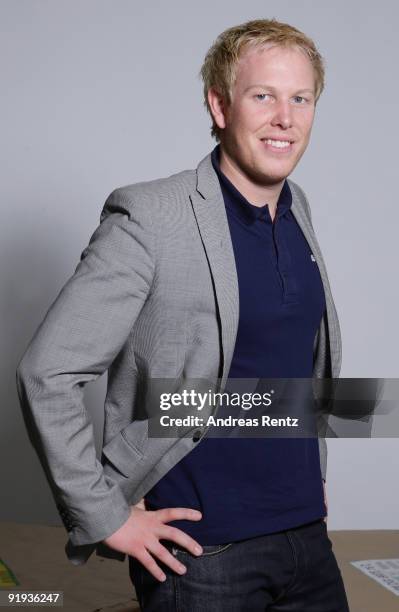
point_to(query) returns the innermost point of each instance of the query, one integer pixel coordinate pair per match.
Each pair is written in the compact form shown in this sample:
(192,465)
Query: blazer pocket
(128,447)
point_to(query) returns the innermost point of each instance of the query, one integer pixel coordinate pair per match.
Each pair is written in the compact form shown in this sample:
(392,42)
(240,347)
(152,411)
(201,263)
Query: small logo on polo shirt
(312,257)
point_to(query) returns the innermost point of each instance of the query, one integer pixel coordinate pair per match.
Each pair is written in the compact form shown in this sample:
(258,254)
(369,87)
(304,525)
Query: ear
(218,107)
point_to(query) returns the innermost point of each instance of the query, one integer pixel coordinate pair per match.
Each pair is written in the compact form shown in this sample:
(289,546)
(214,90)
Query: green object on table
(7,578)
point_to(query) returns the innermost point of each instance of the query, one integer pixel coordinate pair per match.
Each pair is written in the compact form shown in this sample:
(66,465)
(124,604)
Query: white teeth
(278,143)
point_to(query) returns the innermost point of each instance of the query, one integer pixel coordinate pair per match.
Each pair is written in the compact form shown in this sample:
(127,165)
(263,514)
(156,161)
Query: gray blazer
(154,294)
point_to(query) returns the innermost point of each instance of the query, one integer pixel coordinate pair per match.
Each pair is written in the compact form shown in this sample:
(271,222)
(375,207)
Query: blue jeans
(290,571)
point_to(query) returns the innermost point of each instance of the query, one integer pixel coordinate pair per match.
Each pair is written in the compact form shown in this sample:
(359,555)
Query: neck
(256,194)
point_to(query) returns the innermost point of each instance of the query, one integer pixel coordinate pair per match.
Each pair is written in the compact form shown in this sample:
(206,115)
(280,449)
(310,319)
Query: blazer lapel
(210,213)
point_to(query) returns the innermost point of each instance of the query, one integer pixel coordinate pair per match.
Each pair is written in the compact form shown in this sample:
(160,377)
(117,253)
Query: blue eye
(258,95)
(261,98)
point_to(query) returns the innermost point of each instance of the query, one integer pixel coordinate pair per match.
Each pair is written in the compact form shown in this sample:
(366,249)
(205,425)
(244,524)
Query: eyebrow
(274,89)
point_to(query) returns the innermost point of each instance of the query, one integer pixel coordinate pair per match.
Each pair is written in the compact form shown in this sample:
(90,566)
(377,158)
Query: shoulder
(151,194)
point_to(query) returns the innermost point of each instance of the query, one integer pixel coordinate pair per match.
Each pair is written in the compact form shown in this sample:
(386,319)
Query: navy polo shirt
(247,487)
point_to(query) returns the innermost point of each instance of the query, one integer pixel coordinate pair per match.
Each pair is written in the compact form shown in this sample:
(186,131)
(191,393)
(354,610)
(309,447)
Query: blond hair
(220,64)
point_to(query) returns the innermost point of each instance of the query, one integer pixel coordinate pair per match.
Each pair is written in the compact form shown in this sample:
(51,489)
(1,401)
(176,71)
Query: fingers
(166,557)
(174,534)
(175,514)
(151,527)
(163,555)
(150,564)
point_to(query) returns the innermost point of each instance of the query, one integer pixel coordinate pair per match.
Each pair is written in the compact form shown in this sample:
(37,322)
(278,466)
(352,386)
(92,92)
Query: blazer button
(197,435)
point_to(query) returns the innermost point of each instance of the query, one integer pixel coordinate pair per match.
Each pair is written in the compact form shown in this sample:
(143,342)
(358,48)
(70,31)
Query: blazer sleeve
(80,336)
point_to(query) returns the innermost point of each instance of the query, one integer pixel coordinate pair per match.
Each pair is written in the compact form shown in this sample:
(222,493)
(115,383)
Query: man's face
(273,98)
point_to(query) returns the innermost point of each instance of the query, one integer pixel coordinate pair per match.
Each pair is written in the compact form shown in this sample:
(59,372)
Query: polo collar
(239,205)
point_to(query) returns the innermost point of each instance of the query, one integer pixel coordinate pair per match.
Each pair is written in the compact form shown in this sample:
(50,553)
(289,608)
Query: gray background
(98,94)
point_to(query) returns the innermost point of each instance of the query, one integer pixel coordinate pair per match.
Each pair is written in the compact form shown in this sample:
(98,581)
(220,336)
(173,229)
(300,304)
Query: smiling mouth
(281,146)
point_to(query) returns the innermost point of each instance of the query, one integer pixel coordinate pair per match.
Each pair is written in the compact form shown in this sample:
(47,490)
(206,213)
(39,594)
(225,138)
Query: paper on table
(384,571)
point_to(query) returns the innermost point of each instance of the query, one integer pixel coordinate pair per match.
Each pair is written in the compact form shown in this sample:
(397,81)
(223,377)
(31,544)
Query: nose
(282,114)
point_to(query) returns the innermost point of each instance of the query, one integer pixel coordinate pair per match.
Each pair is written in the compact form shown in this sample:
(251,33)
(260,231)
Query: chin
(273,175)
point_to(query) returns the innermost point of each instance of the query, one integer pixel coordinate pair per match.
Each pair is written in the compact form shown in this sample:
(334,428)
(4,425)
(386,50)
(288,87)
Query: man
(212,273)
